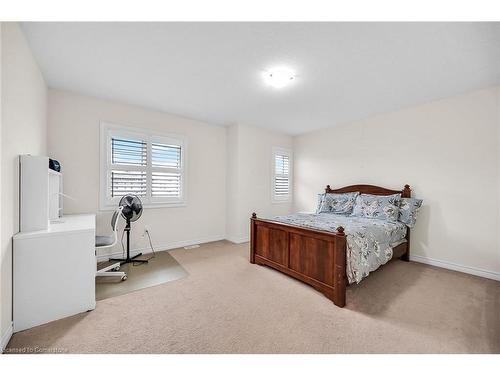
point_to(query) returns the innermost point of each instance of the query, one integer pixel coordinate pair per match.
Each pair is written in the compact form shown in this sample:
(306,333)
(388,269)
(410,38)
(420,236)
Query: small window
(282,181)
(138,162)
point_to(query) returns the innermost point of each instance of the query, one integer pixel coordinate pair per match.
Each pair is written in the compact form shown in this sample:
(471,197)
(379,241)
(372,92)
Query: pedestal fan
(132,211)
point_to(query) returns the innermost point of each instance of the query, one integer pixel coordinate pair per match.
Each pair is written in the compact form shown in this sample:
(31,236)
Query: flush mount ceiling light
(279,77)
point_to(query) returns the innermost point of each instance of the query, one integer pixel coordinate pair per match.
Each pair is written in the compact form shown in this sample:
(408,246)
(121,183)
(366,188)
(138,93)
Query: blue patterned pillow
(408,210)
(336,203)
(384,207)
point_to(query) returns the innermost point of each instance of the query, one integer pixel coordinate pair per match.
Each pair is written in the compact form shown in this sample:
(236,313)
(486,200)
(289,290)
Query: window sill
(147,205)
(280,201)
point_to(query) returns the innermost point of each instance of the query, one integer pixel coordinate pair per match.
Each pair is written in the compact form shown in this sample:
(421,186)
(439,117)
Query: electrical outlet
(146,230)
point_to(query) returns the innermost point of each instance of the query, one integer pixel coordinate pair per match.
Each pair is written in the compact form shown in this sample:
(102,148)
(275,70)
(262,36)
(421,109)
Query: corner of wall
(1,116)
(6,336)
(249,177)
(232,180)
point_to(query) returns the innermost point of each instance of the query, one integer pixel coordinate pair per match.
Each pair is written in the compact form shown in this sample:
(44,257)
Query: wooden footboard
(315,257)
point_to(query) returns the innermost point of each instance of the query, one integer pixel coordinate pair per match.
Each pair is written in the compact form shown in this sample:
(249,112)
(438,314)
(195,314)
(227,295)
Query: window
(135,161)
(282,179)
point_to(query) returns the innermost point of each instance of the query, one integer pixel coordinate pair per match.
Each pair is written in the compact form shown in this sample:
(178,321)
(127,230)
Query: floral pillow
(408,210)
(384,207)
(336,203)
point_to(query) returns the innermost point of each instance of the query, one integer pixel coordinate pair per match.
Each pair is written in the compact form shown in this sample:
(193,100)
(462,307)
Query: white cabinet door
(54,276)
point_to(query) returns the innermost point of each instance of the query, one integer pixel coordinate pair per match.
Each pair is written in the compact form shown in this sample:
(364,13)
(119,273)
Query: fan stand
(129,259)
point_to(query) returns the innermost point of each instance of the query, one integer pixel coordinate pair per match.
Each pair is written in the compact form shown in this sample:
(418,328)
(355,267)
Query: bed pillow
(336,203)
(384,207)
(408,210)
(320,202)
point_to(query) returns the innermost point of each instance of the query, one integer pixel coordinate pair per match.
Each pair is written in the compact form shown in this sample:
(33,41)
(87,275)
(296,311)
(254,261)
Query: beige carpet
(227,305)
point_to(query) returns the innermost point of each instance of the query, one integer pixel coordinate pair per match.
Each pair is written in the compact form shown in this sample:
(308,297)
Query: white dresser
(54,271)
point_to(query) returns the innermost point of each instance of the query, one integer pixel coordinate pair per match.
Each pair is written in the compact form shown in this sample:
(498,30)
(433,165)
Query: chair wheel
(117,268)
(124,277)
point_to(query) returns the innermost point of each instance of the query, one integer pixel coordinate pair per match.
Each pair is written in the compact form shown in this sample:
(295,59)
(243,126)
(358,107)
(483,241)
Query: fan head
(132,207)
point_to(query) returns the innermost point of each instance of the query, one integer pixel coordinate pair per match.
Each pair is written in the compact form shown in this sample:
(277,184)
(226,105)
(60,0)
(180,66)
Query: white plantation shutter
(167,173)
(128,182)
(281,179)
(148,166)
(128,174)
(281,175)
(166,184)
(168,156)
(128,151)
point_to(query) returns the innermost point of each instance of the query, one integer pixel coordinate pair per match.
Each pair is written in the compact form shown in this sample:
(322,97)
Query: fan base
(129,259)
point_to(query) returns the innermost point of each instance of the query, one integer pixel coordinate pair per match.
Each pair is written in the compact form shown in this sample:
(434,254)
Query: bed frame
(315,257)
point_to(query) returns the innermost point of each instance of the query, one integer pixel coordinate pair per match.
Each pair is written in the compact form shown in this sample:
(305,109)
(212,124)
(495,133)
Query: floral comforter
(369,241)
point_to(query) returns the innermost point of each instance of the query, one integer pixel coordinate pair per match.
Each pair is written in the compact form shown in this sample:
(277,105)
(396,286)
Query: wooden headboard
(370,189)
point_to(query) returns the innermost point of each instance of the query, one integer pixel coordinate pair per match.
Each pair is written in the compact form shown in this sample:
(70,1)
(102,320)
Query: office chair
(102,242)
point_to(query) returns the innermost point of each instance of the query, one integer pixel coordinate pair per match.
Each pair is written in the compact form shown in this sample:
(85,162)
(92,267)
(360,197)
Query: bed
(314,248)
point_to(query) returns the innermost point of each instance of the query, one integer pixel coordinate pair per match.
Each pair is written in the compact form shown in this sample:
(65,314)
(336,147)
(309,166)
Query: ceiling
(212,71)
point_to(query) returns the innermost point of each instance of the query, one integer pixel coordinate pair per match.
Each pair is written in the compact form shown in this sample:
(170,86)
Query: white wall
(498,167)
(249,176)
(447,150)
(24,130)
(2,329)
(74,140)
(211,214)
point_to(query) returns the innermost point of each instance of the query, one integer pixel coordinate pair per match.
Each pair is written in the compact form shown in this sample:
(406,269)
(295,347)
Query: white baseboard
(237,240)
(457,267)
(162,247)
(6,337)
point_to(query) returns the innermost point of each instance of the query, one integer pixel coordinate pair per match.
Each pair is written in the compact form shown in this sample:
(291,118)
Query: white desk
(54,271)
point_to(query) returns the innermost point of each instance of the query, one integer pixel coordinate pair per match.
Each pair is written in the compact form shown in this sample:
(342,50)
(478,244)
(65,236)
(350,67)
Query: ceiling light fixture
(279,77)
